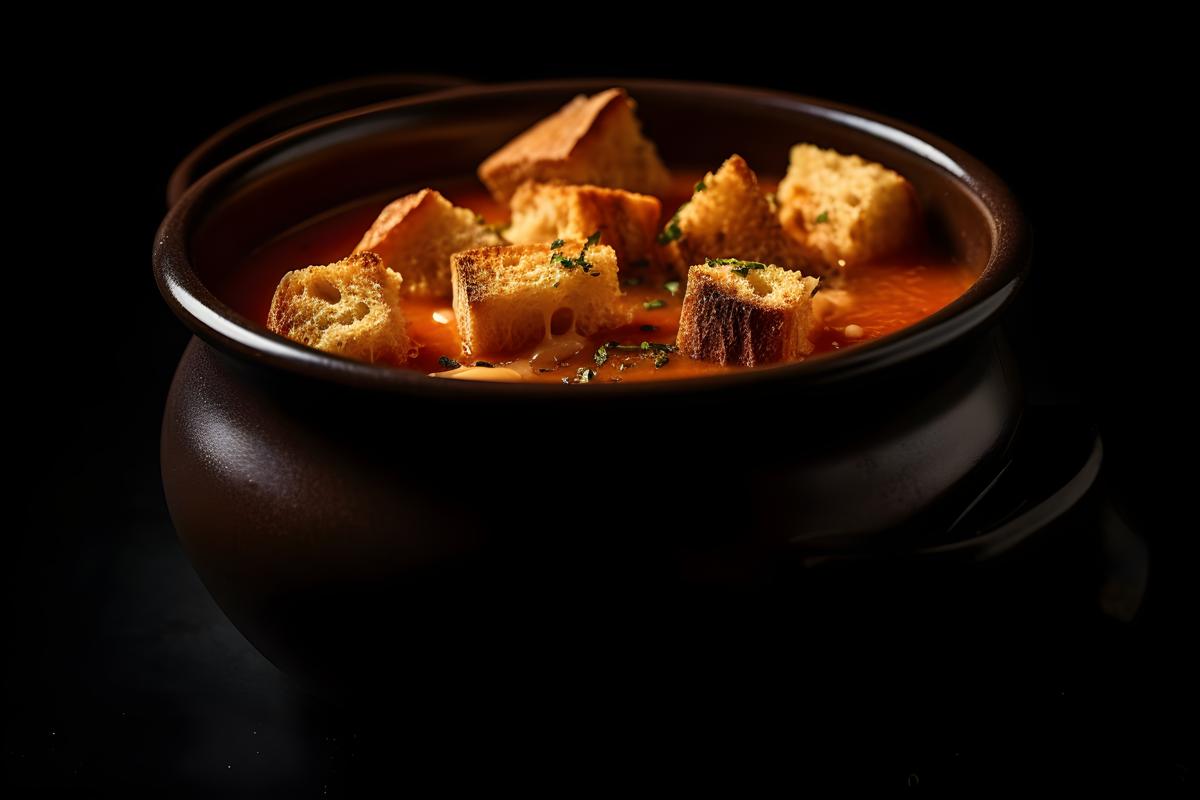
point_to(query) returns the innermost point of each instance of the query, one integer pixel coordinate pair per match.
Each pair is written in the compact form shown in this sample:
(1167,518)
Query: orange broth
(883,297)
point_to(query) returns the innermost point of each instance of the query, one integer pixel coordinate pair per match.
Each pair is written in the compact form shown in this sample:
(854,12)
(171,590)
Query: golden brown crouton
(351,308)
(591,140)
(628,222)
(417,234)
(740,312)
(844,209)
(728,217)
(509,298)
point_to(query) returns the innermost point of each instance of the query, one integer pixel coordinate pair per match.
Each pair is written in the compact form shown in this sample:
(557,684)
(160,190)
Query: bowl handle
(296,110)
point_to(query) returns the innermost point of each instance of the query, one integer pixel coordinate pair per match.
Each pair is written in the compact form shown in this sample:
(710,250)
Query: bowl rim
(189,170)
(228,330)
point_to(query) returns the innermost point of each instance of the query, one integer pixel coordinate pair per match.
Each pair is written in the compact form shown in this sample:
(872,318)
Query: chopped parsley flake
(650,305)
(580,260)
(672,231)
(822,217)
(700,187)
(661,360)
(672,287)
(735,265)
(447,362)
(601,355)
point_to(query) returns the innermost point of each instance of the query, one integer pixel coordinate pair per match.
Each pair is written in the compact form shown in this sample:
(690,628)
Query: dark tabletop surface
(122,672)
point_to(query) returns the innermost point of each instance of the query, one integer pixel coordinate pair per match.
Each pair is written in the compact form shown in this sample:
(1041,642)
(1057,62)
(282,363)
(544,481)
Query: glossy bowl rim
(223,327)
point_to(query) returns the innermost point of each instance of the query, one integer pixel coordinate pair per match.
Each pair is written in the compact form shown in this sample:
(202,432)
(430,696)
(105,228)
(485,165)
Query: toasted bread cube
(417,234)
(628,222)
(510,298)
(844,210)
(740,312)
(591,140)
(351,308)
(728,217)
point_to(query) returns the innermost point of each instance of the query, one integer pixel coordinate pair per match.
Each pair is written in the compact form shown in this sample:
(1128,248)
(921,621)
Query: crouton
(741,312)
(351,308)
(591,140)
(728,217)
(628,222)
(510,298)
(416,236)
(844,209)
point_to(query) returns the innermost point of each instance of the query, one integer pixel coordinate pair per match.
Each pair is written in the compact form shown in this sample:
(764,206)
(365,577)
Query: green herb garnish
(735,265)
(650,305)
(700,187)
(672,231)
(672,287)
(645,348)
(447,362)
(661,360)
(601,355)
(822,217)
(580,260)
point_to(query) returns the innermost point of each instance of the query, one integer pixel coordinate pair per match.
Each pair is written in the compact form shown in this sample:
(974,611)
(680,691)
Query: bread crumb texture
(729,217)
(627,221)
(417,234)
(350,308)
(746,316)
(844,209)
(593,140)
(510,298)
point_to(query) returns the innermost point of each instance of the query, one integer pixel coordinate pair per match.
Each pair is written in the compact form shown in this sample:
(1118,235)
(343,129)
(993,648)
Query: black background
(121,671)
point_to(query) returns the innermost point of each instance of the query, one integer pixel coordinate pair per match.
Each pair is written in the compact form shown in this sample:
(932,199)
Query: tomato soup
(872,300)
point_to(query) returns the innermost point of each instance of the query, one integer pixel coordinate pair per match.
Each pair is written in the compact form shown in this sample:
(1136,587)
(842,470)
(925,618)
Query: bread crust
(591,140)
(415,236)
(730,218)
(505,298)
(763,317)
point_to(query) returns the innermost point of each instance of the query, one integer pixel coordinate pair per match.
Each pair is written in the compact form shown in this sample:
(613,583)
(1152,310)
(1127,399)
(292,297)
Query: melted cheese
(495,374)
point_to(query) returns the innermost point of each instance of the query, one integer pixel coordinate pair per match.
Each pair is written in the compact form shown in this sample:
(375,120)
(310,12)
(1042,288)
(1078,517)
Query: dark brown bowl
(325,500)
